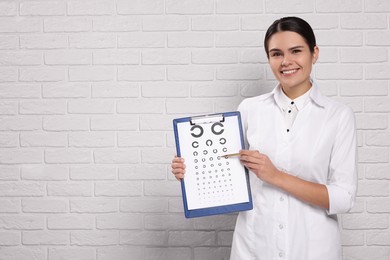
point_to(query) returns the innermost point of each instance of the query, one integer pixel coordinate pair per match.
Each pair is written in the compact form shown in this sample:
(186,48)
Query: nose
(286,60)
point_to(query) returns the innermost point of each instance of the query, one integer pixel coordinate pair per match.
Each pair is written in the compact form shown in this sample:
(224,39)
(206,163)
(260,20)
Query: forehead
(285,40)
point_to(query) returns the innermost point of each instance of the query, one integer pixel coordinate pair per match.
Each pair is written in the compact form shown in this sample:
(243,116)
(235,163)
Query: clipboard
(214,183)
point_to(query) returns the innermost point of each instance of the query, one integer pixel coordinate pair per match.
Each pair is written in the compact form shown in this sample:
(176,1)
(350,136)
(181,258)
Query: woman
(301,156)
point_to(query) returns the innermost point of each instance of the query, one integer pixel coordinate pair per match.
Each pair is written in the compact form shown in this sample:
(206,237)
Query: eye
(296,51)
(276,54)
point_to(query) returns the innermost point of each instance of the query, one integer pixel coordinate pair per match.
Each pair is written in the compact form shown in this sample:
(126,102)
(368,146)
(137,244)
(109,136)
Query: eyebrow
(290,49)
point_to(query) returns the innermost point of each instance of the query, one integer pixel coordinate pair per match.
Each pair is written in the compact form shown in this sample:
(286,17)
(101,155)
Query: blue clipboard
(214,183)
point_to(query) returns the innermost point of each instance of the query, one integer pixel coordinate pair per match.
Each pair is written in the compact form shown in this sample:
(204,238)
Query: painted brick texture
(88,91)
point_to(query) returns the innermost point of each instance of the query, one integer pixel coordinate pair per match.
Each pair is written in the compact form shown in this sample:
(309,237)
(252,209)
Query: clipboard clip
(207,119)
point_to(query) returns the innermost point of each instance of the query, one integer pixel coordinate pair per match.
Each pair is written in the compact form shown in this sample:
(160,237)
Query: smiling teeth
(289,71)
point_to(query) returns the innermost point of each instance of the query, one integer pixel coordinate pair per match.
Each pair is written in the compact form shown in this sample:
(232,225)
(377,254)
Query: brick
(93,172)
(44,173)
(352,72)
(44,205)
(168,253)
(43,139)
(286,6)
(156,122)
(190,73)
(193,39)
(167,57)
(116,23)
(10,205)
(373,189)
(65,123)
(209,253)
(121,252)
(339,38)
(92,73)
(70,221)
(378,205)
(335,6)
(114,122)
(377,38)
(187,106)
(20,156)
(156,155)
(42,107)
(22,222)
(115,90)
(378,238)
(42,8)
(45,238)
(378,139)
(165,23)
(371,155)
(215,23)
(140,7)
(352,238)
(9,173)
(93,205)
(377,105)
(364,88)
(10,238)
(377,171)
(66,90)
(236,6)
(239,39)
(165,89)
(240,72)
(16,58)
(113,57)
(360,55)
(372,122)
(143,205)
(140,106)
(68,57)
(67,24)
(141,139)
(214,56)
(355,103)
(377,6)
(91,7)
(143,237)
(329,55)
(189,7)
(169,222)
(225,238)
(94,238)
(162,188)
(20,24)
(95,40)
(9,42)
(91,106)
(71,253)
(141,73)
(43,41)
(119,221)
(175,205)
(43,74)
(364,222)
(116,156)
(141,40)
(70,189)
(8,8)
(118,189)
(20,123)
(9,140)
(252,55)
(8,75)
(91,139)
(191,238)
(33,253)
(366,21)
(149,172)
(377,72)
(71,155)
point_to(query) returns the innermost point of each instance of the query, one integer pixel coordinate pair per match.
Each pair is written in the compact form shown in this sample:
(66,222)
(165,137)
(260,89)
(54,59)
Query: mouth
(288,72)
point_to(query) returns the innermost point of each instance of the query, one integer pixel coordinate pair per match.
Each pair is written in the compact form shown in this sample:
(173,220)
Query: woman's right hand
(178,167)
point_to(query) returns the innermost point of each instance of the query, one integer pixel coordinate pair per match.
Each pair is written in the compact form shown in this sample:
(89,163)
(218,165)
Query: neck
(296,92)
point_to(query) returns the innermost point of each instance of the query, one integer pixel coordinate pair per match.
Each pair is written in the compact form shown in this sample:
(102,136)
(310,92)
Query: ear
(316,54)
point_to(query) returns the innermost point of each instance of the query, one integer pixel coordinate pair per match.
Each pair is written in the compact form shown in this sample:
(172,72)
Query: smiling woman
(301,156)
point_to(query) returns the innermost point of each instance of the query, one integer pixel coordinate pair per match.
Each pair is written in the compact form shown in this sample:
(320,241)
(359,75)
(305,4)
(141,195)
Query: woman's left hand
(259,164)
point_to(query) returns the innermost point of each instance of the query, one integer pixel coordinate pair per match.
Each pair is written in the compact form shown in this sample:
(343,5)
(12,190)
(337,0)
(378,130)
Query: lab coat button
(281,226)
(281,254)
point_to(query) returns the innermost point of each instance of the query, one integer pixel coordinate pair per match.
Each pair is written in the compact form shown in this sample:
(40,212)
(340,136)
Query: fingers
(178,167)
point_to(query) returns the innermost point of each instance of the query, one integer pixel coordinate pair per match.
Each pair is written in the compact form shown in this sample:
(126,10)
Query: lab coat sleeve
(342,179)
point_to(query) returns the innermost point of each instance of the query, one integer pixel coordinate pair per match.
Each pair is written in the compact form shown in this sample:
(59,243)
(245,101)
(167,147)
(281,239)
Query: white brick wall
(88,91)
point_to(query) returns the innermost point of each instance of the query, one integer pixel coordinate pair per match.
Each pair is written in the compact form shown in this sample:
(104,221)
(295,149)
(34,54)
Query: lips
(289,72)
